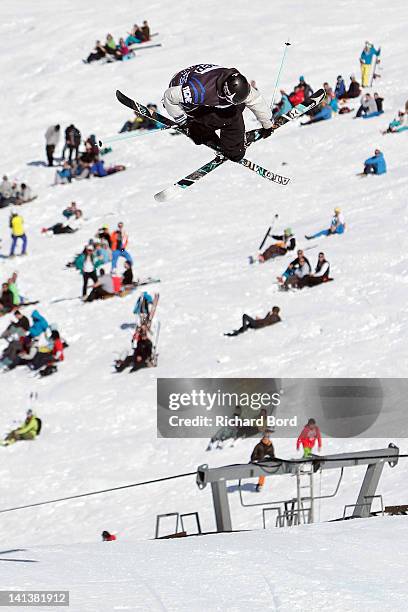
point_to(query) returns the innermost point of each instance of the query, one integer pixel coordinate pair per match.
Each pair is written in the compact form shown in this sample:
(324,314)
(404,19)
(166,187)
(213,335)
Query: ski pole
(287,44)
(267,233)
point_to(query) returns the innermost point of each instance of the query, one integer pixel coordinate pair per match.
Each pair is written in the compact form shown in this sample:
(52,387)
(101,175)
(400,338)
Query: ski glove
(266,132)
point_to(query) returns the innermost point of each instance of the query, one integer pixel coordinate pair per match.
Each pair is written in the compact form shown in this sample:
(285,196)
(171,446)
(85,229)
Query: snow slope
(341,567)
(99,428)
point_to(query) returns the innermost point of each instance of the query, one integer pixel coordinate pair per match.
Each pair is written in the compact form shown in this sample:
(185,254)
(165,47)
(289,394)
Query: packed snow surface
(99,427)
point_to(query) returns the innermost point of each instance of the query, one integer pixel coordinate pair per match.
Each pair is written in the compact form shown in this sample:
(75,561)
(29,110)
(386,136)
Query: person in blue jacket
(324,113)
(366,59)
(39,325)
(376,164)
(340,88)
(283,107)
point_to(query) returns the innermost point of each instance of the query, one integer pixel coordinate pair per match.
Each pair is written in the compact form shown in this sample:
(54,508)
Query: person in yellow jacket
(27,431)
(17,231)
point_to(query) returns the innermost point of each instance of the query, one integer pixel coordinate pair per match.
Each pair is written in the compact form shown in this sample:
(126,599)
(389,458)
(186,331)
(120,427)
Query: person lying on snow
(287,242)
(29,430)
(74,225)
(248,322)
(141,357)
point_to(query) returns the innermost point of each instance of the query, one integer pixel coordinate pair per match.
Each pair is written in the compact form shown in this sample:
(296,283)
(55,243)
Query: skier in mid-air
(204,98)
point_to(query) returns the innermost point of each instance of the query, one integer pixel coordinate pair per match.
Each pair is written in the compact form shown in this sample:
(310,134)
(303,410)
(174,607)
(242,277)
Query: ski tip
(164,196)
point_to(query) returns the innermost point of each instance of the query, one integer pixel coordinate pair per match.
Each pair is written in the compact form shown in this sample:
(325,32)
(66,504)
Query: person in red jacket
(108,537)
(308,436)
(298,95)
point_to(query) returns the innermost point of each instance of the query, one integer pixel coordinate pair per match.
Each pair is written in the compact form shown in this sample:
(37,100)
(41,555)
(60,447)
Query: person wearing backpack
(29,430)
(72,141)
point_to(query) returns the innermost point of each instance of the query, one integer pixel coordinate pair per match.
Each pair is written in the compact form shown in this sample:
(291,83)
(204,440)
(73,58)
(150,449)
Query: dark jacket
(6,298)
(127,278)
(143,349)
(290,241)
(263,452)
(24,323)
(379,103)
(270,319)
(353,90)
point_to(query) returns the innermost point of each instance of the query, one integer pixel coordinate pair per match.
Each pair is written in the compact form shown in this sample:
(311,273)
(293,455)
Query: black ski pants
(86,277)
(230,122)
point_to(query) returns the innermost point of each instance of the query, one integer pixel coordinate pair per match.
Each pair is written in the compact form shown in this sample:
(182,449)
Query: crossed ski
(250,137)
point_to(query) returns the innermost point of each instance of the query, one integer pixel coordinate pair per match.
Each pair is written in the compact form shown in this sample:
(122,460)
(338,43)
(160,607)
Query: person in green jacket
(12,283)
(27,431)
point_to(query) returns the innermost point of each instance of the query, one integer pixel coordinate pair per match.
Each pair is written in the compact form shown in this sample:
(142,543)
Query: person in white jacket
(368,105)
(204,98)
(52,136)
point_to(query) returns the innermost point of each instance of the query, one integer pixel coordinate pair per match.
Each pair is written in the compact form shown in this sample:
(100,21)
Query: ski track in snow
(99,427)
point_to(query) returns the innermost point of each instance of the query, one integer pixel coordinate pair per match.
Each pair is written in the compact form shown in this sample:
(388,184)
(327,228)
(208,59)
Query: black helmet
(235,88)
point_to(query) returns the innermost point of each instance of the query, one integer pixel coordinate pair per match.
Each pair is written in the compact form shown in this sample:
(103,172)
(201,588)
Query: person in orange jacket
(119,242)
(308,436)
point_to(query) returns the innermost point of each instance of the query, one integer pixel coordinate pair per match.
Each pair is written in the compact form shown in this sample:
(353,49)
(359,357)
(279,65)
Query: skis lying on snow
(251,136)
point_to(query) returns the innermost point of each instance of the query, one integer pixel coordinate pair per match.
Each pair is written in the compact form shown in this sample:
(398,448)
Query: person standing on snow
(17,232)
(366,59)
(308,437)
(119,241)
(205,97)
(52,136)
(263,451)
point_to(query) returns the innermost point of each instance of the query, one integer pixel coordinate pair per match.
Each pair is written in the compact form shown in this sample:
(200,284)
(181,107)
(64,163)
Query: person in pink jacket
(308,437)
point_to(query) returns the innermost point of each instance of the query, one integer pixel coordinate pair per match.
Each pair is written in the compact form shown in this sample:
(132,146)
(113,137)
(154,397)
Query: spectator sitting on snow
(353,90)
(337,226)
(127,278)
(320,275)
(39,325)
(307,89)
(282,107)
(329,92)
(323,114)
(379,102)
(294,265)
(75,223)
(97,53)
(145,31)
(27,431)
(81,169)
(142,354)
(124,50)
(49,355)
(102,288)
(63,176)
(19,326)
(287,242)
(108,537)
(295,275)
(136,36)
(340,89)
(6,299)
(103,254)
(70,210)
(6,192)
(367,106)
(98,169)
(24,194)
(399,124)
(248,322)
(375,165)
(297,96)
(103,234)
(111,47)
(141,123)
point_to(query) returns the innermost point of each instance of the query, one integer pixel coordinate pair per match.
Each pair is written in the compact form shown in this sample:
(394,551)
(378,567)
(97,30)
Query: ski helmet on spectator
(235,88)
